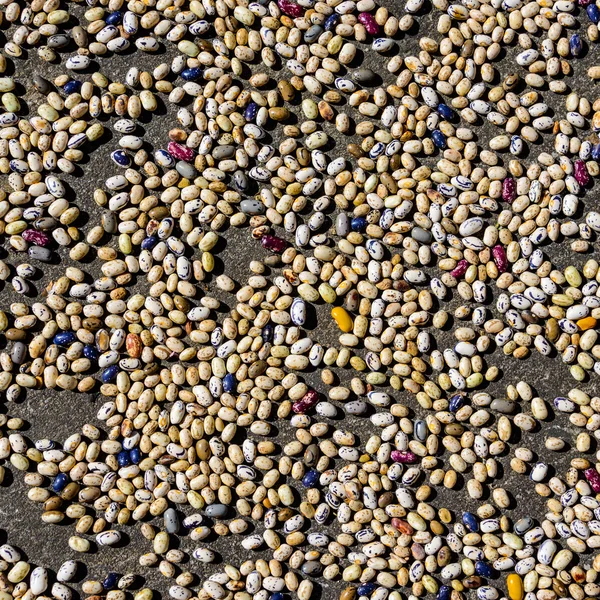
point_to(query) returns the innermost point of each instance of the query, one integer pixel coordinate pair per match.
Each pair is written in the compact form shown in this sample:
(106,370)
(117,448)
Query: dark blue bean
(149,242)
(191,74)
(470,521)
(60,482)
(311,478)
(358,224)
(90,352)
(366,589)
(438,138)
(456,402)
(110,373)
(110,581)
(72,87)
(576,45)
(114,18)
(121,158)
(445,111)
(331,22)
(123,458)
(64,338)
(229,383)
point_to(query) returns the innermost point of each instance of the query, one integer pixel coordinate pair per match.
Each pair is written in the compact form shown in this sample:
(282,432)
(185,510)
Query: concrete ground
(57,415)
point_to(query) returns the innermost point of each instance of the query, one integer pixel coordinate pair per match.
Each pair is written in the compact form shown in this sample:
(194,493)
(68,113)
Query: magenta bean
(38,238)
(403,457)
(368,20)
(593,478)
(180,152)
(307,401)
(584,2)
(581,173)
(290,8)
(509,190)
(460,269)
(273,243)
(500,258)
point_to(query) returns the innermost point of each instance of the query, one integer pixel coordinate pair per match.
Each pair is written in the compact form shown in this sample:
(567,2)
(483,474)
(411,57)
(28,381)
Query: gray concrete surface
(57,415)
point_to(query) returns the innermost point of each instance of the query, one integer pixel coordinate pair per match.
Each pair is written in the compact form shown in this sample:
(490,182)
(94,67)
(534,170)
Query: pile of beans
(20,579)
(395,181)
